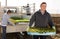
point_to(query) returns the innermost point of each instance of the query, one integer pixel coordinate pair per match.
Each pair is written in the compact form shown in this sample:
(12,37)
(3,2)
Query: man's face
(43,7)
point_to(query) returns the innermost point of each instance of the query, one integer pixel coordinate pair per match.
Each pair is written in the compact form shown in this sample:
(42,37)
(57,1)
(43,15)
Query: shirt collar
(41,13)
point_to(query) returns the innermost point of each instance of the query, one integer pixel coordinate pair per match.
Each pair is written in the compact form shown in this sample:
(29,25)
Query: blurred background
(52,5)
(20,8)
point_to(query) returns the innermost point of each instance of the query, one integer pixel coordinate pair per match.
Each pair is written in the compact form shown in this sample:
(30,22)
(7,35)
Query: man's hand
(11,23)
(54,27)
(31,26)
(27,28)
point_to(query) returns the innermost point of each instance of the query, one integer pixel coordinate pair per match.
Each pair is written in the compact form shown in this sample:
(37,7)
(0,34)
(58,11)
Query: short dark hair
(43,3)
(9,11)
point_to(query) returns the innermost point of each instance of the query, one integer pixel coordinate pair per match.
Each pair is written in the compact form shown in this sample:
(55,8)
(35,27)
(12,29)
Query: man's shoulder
(36,12)
(5,14)
(47,13)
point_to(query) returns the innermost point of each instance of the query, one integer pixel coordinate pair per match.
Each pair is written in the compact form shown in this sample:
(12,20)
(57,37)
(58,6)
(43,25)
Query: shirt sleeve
(50,22)
(32,20)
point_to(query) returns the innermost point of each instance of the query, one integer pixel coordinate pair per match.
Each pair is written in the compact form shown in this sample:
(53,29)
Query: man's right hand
(31,26)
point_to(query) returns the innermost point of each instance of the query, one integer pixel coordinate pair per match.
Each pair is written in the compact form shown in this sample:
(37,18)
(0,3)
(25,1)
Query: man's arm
(51,24)
(32,20)
(11,21)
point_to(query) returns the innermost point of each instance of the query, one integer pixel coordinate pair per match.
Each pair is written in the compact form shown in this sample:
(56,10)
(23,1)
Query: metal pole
(33,7)
(0,6)
(6,3)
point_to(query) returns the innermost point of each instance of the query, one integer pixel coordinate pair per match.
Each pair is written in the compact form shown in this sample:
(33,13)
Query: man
(5,20)
(28,9)
(42,19)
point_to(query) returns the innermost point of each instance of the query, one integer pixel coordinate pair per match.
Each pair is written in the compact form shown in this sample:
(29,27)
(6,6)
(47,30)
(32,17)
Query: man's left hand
(54,27)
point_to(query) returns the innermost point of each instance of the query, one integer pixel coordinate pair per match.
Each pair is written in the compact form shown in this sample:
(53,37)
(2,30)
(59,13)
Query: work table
(17,28)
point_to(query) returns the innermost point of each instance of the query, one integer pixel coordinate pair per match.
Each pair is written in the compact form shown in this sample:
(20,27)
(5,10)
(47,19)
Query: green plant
(16,18)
